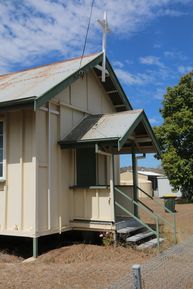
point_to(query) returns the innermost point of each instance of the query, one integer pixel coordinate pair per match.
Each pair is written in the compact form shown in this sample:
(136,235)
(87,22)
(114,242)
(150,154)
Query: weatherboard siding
(84,96)
(35,198)
(17,191)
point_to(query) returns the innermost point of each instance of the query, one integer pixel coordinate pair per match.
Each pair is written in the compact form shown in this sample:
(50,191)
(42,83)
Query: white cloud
(172,13)
(129,61)
(175,55)
(132,79)
(154,121)
(151,60)
(169,54)
(159,93)
(157,45)
(118,64)
(185,69)
(32,29)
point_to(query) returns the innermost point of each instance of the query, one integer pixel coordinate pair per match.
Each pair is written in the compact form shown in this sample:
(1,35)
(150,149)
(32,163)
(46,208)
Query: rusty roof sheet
(119,130)
(103,127)
(33,83)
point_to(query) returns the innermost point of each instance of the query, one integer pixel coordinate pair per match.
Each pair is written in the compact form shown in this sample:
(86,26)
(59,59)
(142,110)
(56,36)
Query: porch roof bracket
(98,151)
(125,137)
(151,133)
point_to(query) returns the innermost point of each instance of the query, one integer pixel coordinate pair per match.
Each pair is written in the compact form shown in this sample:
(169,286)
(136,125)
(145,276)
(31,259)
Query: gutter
(18,104)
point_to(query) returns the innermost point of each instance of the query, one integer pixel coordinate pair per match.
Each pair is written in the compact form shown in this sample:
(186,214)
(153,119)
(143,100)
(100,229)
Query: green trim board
(118,85)
(108,142)
(124,138)
(152,134)
(22,106)
(66,82)
(38,101)
(86,68)
(29,100)
(142,118)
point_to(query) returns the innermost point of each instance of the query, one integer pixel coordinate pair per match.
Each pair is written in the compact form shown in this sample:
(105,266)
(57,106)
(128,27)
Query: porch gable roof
(120,131)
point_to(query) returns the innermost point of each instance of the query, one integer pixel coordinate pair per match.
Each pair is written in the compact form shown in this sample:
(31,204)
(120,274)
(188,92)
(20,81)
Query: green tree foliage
(176,135)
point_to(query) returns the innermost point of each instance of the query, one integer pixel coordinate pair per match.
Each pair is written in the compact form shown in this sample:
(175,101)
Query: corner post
(35,247)
(112,187)
(135,180)
(112,183)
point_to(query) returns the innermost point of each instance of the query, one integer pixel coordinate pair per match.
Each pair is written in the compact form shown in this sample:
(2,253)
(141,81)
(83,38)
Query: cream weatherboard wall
(17,195)
(35,194)
(56,167)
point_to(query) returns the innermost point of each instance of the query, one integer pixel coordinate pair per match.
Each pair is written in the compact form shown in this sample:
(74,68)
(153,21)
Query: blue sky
(150,45)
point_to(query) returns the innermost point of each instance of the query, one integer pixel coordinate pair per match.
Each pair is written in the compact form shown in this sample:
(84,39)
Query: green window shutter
(86,166)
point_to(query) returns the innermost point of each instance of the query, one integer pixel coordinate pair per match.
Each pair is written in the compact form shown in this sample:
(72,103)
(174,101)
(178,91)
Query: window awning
(116,132)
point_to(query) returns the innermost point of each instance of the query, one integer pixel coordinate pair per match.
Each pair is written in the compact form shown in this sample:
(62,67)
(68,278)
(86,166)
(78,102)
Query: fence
(172,269)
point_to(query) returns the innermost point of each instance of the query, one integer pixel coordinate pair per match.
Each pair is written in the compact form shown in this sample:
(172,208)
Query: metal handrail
(144,205)
(136,218)
(159,203)
(161,217)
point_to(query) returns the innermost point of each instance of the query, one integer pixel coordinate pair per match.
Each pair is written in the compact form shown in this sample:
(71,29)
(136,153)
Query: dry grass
(77,266)
(82,266)
(7,258)
(184,219)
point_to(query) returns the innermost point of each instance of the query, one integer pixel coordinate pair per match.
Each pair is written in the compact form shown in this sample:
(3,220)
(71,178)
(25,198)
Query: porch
(99,202)
(93,207)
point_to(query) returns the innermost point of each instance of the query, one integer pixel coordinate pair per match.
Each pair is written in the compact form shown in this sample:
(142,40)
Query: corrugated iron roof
(118,131)
(103,127)
(33,83)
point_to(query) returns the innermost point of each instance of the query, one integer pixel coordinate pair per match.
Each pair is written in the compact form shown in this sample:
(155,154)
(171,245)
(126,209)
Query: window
(1,149)
(86,166)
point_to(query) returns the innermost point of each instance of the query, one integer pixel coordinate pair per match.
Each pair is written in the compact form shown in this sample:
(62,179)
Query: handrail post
(112,187)
(174,221)
(173,215)
(135,180)
(135,217)
(157,230)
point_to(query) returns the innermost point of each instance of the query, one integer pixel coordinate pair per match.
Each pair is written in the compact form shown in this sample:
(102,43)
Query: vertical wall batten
(112,187)
(35,167)
(6,127)
(87,92)
(21,166)
(35,228)
(98,205)
(49,168)
(59,178)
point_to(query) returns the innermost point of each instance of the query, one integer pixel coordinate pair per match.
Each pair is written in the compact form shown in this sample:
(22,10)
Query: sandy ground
(82,266)
(184,218)
(77,266)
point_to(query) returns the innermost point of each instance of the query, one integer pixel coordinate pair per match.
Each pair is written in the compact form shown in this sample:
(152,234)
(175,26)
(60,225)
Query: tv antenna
(105,28)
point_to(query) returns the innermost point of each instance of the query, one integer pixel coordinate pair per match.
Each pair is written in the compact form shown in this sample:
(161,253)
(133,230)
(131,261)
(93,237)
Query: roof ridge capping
(132,111)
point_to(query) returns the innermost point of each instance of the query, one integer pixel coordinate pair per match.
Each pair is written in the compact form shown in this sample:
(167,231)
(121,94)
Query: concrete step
(128,230)
(127,223)
(149,244)
(140,236)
